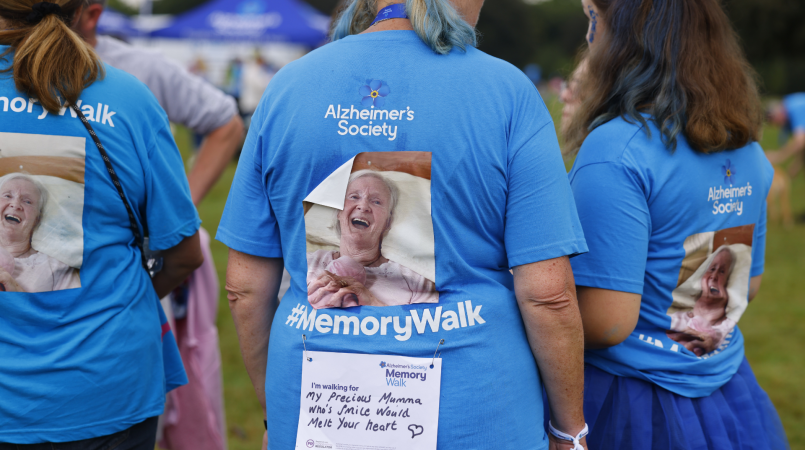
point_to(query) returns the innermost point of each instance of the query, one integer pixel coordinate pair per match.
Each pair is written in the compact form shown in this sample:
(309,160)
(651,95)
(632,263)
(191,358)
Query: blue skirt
(628,413)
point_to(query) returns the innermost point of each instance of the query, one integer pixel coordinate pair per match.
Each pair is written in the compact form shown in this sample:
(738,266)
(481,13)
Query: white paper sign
(369,402)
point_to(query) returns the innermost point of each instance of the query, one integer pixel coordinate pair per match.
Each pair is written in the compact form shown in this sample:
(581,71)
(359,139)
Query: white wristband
(566,437)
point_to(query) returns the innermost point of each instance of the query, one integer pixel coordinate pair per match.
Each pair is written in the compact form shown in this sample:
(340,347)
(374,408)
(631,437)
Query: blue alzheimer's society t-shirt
(686,230)
(82,346)
(451,166)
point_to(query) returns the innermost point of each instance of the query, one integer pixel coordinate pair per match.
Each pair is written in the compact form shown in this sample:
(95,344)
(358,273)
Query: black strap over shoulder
(116,181)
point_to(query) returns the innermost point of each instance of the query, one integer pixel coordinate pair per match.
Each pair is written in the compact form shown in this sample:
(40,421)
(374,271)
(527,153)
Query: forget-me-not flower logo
(729,172)
(374,93)
(382,364)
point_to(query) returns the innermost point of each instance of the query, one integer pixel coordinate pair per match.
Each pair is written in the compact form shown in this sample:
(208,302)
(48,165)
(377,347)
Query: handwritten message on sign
(369,402)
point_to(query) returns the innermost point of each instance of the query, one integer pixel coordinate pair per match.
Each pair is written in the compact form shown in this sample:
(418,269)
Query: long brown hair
(51,62)
(680,62)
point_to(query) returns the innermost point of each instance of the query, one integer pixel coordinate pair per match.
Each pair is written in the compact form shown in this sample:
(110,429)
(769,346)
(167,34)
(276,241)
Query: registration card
(369,402)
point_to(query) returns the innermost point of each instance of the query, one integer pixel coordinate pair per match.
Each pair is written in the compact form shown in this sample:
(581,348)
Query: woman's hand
(353,293)
(178,263)
(706,343)
(8,283)
(320,292)
(332,291)
(697,342)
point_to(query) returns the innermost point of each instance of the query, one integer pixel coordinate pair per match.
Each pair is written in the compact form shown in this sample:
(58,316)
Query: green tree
(175,6)
(122,7)
(551,32)
(324,6)
(773,37)
(514,31)
(508,31)
(560,27)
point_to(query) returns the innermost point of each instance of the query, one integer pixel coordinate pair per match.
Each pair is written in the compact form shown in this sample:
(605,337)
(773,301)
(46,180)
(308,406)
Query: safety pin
(304,338)
(434,353)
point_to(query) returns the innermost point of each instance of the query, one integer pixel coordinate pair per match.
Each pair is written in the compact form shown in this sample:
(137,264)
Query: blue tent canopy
(116,24)
(250,20)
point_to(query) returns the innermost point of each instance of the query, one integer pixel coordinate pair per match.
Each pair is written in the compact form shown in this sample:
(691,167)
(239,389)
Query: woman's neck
(367,257)
(712,309)
(16,248)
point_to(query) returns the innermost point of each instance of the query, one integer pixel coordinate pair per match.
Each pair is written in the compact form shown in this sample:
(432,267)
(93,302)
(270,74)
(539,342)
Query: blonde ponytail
(51,62)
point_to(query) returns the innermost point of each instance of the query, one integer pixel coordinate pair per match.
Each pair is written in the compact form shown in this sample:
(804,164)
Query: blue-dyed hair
(436,22)
(679,61)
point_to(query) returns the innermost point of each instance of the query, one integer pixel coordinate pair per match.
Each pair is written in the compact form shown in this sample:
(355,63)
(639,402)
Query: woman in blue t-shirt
(86,353)
(442,166)
(670,185)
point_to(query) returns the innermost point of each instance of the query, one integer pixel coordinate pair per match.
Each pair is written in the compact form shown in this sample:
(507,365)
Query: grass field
(772,326)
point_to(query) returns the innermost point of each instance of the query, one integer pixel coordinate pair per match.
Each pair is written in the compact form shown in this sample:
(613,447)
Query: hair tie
(41,10)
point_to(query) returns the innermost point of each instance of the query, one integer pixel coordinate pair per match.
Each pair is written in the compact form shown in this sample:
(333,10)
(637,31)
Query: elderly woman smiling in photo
(704,328)
(358,274)
(22,201)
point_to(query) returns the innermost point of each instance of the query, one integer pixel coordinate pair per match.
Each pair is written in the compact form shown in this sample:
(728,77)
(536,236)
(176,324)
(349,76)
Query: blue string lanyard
(395,11)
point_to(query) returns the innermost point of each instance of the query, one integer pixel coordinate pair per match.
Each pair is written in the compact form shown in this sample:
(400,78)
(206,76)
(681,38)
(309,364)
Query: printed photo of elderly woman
(22,268)
(704,328)
(358,272)
(712,293)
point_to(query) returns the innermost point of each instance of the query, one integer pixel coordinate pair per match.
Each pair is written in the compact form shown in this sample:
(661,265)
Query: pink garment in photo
(194,414)
(682,320)
(41,273)
(391,283)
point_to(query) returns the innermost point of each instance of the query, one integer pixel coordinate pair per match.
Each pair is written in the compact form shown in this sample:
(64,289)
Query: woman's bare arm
(754,286)
(178,263)
(252,283)
(795,145)
(609,317)
(218,148)
(546,295)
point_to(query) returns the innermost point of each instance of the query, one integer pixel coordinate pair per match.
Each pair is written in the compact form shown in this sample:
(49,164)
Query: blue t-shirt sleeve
(615,216)
(170,213)
(759,244)
(795,107)
(248,224)
(541,219)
